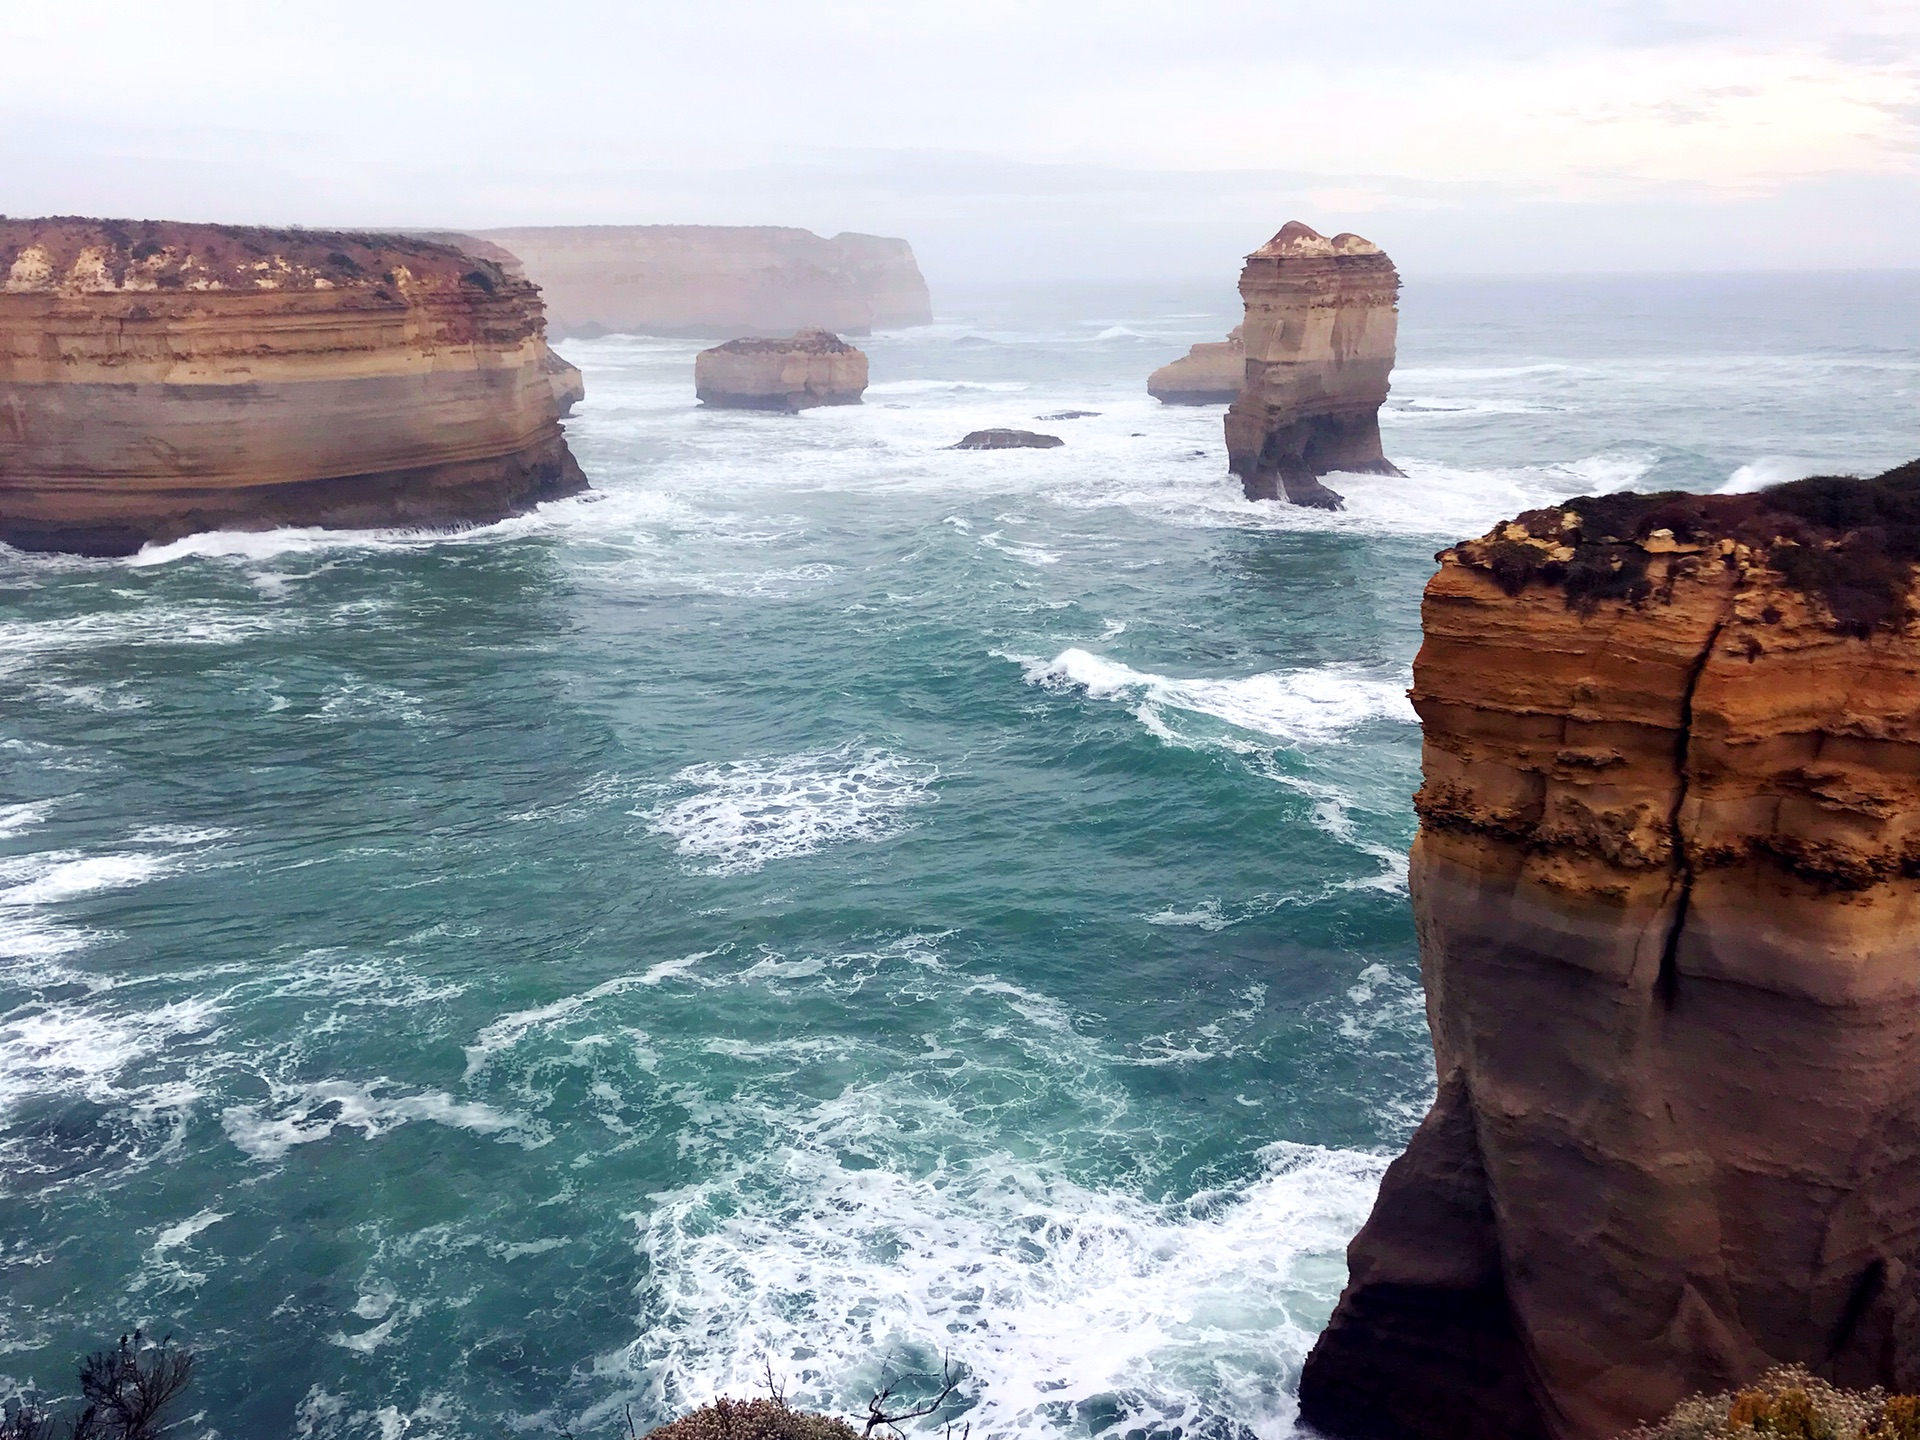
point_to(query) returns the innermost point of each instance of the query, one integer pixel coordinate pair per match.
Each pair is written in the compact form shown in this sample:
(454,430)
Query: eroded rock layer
(1319,335)
(1667,886)
(1208,374)
(717,279)
(158,379)
(810,368)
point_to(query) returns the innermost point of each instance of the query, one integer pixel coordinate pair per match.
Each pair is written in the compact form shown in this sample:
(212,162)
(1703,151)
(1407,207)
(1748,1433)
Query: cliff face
(1319,337)
(717,279)
(810,368)
(1208,374)
(1667,885)
(157,379)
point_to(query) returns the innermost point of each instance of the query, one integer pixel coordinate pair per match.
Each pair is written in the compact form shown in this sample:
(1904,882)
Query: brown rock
(159,378)
(717,279)
(1667,887)
(1009,440)
(1208,374)
(569,387)
(1319,337)
(807,369)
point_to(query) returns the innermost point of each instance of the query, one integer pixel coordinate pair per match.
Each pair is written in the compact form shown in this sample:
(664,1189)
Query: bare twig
(775,1391)
(880,1417)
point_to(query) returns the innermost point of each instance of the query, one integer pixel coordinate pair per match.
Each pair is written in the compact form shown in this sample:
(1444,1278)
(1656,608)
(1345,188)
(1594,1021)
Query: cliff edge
(1319,333)
(1667,886)
(1208,374)
(159,378)
(711,280)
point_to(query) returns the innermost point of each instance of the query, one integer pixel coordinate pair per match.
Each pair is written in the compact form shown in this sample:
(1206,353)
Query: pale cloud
(1004,130)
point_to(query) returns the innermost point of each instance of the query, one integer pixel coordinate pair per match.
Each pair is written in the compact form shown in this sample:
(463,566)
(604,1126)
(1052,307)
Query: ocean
(823,904)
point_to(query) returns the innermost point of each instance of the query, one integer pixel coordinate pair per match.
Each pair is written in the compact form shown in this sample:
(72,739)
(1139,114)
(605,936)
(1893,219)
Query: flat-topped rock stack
(159,378)
(1208,374)
(1319,335)
(813,367)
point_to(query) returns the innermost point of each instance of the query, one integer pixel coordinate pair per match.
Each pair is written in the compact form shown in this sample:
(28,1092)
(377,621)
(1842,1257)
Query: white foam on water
(1318,706)
(302,1114)
(17,818)
(507,1031)
(1054,1297)
(83,1048)
(25,642)
(743,814)
(1766,470)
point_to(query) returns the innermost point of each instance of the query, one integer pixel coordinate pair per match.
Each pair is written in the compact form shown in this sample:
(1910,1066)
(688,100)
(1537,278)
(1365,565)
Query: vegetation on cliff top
(1789,1403)
(1851,542)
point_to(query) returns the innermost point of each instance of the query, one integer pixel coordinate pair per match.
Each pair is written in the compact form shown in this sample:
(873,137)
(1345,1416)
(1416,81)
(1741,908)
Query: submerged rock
(1008,440)
(1319,336)
(158,379)
(1665,884)
(1208,374)
(804,370)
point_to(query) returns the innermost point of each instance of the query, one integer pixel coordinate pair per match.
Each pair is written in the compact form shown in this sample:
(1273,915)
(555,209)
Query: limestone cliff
(809,368)
(1208,374)
(1667,887)
(160,378)
(717,279)
(1319,335)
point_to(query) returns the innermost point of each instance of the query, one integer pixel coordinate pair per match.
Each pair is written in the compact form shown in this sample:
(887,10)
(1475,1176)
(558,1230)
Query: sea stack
(1667,888)
(1208,374)
(715,280)
(810,368)
(158,379)
(1319,336)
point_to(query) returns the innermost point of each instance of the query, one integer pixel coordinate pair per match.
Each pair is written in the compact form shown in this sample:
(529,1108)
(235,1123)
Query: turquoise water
(824,900)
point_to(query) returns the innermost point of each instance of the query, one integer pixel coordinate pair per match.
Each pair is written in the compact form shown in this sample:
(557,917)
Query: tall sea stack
(1319,336)
(158,379)
(1667,886)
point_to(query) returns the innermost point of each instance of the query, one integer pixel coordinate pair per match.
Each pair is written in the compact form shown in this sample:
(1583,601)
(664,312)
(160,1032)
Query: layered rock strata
(1208,374)
(158,379)
(703,280)
(810,368)
(569,387)
(1667,887)
(1319,335)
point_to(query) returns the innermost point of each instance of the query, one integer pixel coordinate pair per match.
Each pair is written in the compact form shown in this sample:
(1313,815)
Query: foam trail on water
(744,813)
(1318,706)
(1070,1309)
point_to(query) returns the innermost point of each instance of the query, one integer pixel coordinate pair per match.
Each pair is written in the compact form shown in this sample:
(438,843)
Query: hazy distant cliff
(1319,334)
(1667,885)
(160,378)
(717,279)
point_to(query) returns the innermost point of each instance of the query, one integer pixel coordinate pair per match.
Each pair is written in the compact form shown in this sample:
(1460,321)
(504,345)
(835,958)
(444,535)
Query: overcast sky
(1027,139)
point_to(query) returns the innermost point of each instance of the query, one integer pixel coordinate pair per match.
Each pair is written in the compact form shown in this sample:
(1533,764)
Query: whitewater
(821,901)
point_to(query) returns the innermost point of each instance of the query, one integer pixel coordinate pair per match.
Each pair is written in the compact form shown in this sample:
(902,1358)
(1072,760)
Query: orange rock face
(717,279)
(157,379)
(1667,885)
(1319,334)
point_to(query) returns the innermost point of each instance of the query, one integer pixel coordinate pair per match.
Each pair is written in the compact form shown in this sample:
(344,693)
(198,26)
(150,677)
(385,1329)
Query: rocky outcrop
(1667,888)
(569,388)
(703,280)
(1319,336)
(1208,374)
(807,369)
(1008,440)
(158,379)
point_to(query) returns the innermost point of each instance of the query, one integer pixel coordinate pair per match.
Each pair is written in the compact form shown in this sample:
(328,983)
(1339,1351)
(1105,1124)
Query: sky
(1019,140)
